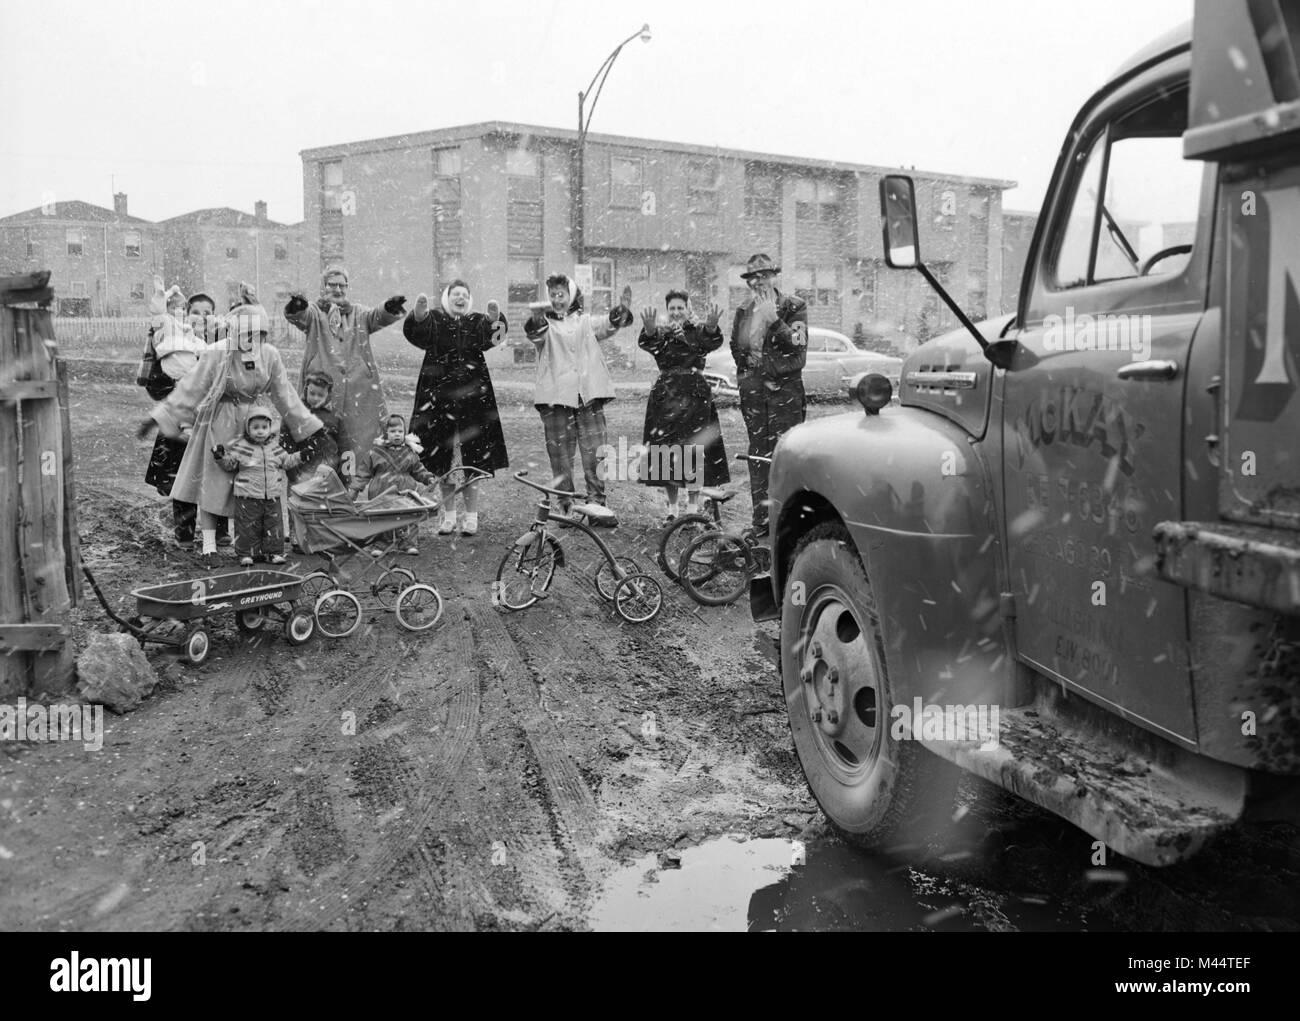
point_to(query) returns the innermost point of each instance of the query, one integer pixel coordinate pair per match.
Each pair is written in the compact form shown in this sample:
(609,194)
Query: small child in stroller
(392,464)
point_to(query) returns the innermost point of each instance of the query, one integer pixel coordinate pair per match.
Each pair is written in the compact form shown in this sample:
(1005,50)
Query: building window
(281,250)
(602,287)
(818,286)
(137,291)
(77,289)
(523,181)
(762,195)
(31,245)
(816,200)
(331,185)
(523,281)
(73,239)
(945,208)
(446,213)
(446,163)
(132,244)
(232,249)
(626,176)
(702,186)
(521,163)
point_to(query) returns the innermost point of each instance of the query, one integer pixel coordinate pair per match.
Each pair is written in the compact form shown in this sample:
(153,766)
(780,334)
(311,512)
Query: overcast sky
(209,105)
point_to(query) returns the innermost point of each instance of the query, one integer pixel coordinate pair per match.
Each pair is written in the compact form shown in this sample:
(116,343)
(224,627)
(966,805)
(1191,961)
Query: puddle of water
(735,885)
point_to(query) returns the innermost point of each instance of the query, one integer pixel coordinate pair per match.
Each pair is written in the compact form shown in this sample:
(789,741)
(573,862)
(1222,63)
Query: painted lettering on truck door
(1092,416)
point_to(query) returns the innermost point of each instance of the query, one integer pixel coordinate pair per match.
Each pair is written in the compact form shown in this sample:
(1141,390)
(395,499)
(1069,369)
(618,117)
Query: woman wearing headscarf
(682,437)
(210,403)
(454,399)
(338,342)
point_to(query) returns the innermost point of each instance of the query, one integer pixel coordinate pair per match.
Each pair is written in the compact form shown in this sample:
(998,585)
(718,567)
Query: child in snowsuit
(259,465)
(392,464)
(317,392)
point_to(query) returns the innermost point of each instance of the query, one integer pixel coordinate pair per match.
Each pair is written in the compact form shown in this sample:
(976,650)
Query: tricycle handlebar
(519,477)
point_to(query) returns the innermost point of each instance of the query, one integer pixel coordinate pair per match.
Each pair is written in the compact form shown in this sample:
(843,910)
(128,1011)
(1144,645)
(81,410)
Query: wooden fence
(39,551)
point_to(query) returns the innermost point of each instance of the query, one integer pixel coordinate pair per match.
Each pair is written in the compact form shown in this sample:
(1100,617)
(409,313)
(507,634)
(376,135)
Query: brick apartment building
(1017,232)
(491,202)
(103,261)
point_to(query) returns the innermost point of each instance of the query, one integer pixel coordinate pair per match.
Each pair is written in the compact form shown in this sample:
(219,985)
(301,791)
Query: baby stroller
(330,524)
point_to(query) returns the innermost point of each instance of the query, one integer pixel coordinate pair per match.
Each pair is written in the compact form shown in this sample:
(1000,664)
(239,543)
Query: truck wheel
(875,790)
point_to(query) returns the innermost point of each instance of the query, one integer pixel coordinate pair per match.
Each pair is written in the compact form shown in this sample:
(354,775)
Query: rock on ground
(113,671)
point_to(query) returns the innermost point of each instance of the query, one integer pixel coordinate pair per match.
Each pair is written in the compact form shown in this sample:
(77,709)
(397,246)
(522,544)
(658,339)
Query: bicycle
(527,569)
(687,528)
(715,569)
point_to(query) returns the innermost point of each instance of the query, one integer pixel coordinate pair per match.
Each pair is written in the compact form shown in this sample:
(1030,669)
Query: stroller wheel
(419,607)
(316,585)
(389,585)
(338,613)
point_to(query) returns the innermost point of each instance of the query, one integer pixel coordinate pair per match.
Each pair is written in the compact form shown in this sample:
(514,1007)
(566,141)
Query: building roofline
(190,218)
(113,217)
(463,132)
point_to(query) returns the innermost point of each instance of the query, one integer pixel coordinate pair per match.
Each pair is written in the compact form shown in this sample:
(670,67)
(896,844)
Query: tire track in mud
(571,800)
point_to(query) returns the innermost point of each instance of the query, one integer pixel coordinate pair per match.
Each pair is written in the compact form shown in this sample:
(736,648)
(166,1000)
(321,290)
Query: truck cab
(1068,561)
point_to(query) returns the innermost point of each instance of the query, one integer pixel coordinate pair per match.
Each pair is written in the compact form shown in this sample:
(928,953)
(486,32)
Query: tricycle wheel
(389,585)
(525,572)
(638,598)
(249,621)
(338,613)
(196,644)
(607,580)
(677,536)
(300,626)
(419,607)
(715,569)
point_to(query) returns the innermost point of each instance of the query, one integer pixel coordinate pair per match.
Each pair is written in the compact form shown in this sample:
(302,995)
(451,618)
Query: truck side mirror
(898,219)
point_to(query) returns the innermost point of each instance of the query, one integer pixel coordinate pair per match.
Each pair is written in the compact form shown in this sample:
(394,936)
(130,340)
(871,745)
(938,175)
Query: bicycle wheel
(638,598)
(677,536)
(418,607)
(525,573)
(607,581)
(389,585)
(716,569)
(338,613)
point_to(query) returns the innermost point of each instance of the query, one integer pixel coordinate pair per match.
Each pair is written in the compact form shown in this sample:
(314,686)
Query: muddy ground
(507,770)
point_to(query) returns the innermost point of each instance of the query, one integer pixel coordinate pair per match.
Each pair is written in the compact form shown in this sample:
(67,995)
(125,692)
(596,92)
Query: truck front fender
(916,495)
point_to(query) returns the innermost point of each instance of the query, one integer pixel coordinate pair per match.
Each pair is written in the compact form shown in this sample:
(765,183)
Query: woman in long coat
(454,399)
(682,437)
(212,400)
(338,342)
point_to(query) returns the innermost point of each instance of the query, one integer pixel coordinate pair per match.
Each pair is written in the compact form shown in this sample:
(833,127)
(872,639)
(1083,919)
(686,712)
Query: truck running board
(1152,812)
(1244,563)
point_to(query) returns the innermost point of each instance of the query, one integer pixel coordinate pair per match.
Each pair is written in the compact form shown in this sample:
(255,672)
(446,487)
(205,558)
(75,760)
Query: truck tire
(877,792)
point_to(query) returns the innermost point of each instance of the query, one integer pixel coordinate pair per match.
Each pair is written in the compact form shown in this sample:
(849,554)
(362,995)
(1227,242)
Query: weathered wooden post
(36,564)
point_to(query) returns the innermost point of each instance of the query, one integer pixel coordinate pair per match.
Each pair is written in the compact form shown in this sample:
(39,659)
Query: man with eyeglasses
(769,341)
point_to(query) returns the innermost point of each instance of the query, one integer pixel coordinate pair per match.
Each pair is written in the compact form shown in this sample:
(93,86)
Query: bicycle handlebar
(519,477)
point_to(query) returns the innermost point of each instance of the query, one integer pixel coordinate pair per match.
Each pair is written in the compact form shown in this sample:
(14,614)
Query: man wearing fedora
(769,341)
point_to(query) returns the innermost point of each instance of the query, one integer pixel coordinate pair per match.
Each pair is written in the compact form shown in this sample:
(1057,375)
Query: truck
(1068,559)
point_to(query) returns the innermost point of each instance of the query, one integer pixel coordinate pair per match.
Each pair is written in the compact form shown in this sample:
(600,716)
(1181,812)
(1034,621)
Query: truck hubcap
(840,682)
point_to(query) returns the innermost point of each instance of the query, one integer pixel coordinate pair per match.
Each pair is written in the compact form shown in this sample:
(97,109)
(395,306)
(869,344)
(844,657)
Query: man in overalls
(769,341)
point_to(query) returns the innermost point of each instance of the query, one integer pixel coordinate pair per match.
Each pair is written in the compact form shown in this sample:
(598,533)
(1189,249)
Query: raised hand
(494,310)
(714,314)
(649,319)
(421,307)
(393,306)
(297,303)
(157,284)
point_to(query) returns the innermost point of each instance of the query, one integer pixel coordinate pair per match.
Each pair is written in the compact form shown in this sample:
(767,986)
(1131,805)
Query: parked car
(832,364)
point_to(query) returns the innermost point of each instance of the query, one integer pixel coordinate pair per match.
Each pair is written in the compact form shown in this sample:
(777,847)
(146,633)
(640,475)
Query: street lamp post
(584,122)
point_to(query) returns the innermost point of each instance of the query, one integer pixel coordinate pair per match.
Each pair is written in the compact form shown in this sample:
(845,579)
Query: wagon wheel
(195,644)
(389,585)
(250,621)
(607,581)
(300,626)
(638,598)
(338,613)
(419,607)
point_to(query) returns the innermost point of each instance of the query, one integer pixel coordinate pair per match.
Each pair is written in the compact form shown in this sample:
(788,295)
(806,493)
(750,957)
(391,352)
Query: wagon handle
(94,585)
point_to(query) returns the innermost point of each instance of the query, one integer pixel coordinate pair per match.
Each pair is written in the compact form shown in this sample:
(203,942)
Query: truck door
(1093,406)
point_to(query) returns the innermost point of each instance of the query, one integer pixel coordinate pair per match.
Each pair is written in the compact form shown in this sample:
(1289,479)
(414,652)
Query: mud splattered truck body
(1068,560)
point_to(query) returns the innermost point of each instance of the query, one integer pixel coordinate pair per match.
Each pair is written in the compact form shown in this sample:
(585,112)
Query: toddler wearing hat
(259,465)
